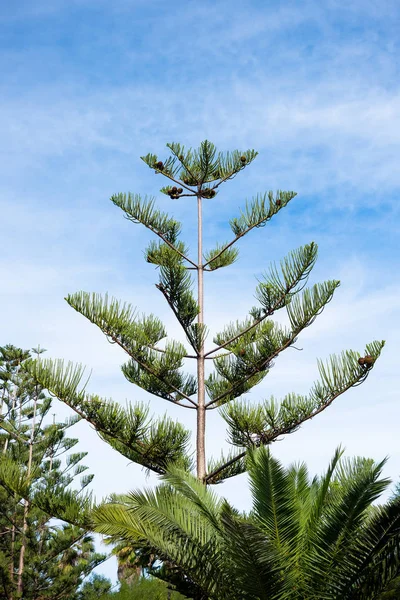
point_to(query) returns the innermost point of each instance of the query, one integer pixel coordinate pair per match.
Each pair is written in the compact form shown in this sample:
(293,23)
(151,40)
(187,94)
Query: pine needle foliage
(242,353)
(40,477)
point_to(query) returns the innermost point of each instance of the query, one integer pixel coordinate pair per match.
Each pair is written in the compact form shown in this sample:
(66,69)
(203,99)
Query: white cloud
(345,135)
(324,112)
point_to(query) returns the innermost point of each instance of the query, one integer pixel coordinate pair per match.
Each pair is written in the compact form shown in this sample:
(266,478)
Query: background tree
(131,561)
(95,588)
(242,352)
(147,588)
(304,538)
(38,558)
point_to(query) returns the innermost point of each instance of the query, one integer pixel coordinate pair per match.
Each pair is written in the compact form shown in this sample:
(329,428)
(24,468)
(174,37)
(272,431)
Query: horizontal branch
(227,464)
(115,340)
(270,437)
(267,314)
(254,371)
(226,248)
(164,239)
(132,216)
(259,222)
(178,318)
(164,351)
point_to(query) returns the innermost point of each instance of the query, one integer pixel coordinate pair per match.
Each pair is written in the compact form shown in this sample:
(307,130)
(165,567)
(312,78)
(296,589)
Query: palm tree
(305,538)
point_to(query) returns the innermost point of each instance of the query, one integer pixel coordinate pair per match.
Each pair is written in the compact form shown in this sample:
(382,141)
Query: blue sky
(87,87)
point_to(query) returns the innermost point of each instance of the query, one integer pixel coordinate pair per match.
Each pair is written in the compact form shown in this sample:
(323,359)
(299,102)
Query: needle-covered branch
(176,286)
(148,442)
(253,353)
(138,337)
(56,501)
(254,425)
(221,256)
(274,292)
(256,214)
(230,465)
(194,168)
(143,211)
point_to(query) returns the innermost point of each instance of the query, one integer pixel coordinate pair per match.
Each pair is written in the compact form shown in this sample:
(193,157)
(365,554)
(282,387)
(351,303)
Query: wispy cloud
(87,87)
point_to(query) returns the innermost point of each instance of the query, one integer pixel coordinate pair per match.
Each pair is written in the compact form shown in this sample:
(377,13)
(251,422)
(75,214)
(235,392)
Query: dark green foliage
(37,469)
(304,539)
(144,589)
(95,588)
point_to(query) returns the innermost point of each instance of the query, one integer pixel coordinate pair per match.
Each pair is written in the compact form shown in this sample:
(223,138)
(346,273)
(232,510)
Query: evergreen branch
(180,183)
(161,384)
(175,285)
(161,254)
(144,212)
(185,157)
(59,550)
(261,425)
(163,351)
(276,292)
(115,320)
(206,156)
(128,431)
(197,333)
(252,363)
(200,166)
(250,326)
(178,317)
(13,476)
(4,426)
(256,214)
(168,169)
(180,394)
(230,163)
(221,251)
(227,467)
(253,377)
(217,259)
(259,211)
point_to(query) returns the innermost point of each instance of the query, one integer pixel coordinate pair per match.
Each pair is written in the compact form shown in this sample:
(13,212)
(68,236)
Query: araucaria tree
(38,558)
(242,353)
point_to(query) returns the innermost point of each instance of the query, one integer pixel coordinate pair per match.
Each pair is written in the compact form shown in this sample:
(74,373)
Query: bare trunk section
(201,410)
(26,503)
(11,597)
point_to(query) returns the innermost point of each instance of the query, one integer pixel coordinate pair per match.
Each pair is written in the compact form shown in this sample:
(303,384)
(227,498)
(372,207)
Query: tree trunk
(26,503)
(201,411)
(12,560)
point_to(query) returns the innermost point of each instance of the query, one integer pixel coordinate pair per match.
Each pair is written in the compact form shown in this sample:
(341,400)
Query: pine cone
(366,361)
(243,159)
(159,165)
(278,203)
